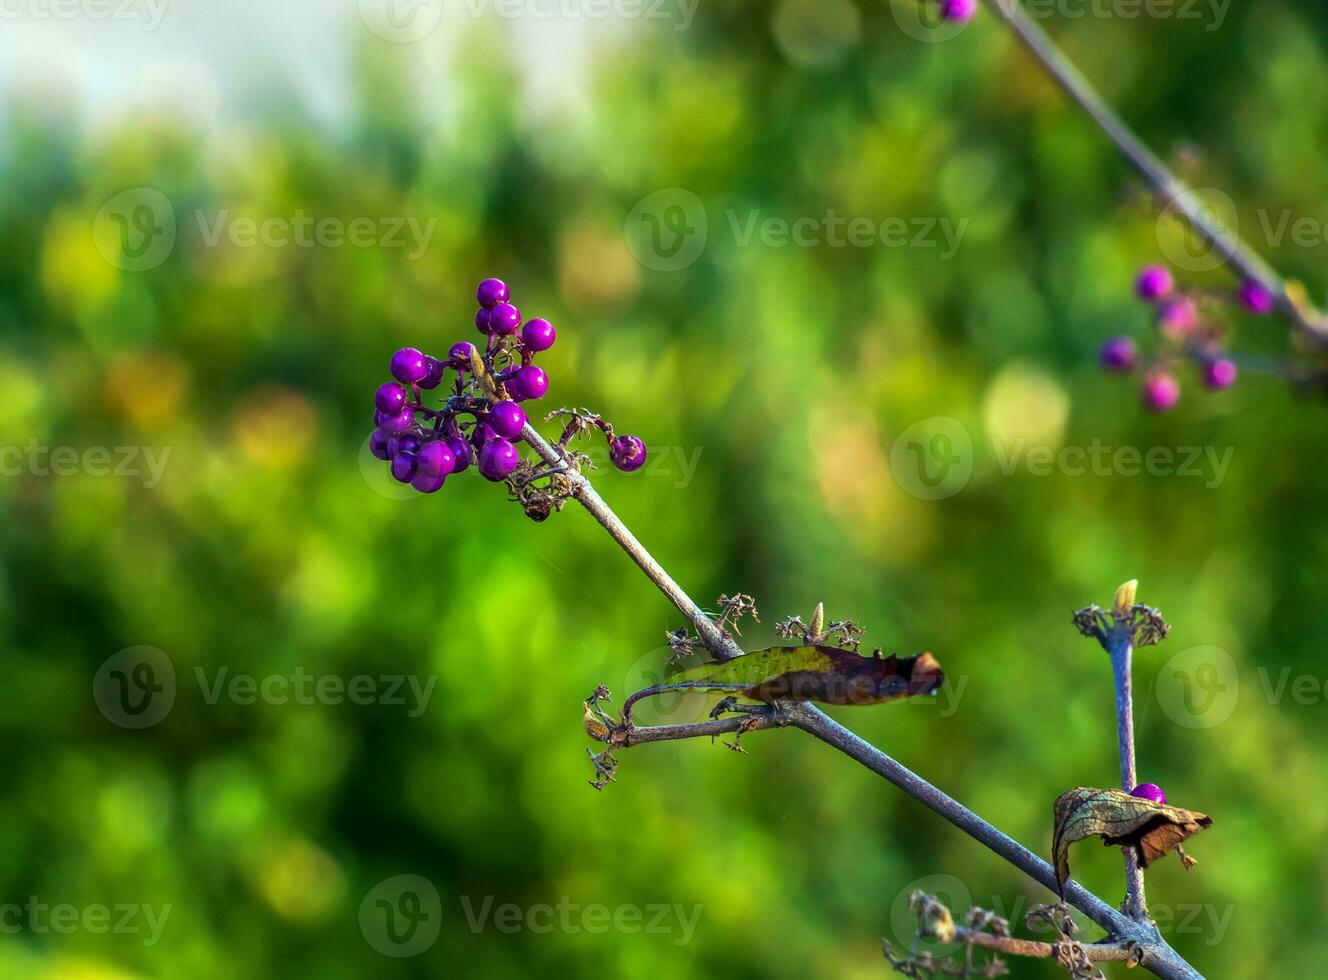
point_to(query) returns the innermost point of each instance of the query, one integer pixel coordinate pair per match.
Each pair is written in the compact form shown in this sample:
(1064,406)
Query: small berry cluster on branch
(1191,325)
(481,421)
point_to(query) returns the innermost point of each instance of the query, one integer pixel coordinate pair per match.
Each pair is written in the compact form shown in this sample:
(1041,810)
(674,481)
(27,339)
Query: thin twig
(1171,189)
(1120,647)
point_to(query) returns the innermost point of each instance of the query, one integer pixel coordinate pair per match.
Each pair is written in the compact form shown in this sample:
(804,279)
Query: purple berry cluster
(482,418)
(1189,327)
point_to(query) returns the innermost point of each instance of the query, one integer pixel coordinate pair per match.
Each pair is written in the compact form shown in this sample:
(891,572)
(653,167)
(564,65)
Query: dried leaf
(1120,819)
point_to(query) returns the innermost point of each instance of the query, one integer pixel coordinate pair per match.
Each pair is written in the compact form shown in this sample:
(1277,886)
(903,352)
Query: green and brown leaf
(1120,819)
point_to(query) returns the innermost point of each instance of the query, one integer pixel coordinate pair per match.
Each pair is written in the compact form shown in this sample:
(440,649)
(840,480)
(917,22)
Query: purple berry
(390,398)
(504,320)
(1154,283)
(482,435)
(408,365)
(528,383)
(461,453)
(497,459)
(507,419)
(1149,791)
(482,320)
(1177,317)
(958,11)
(427,482)
(1118,354)
(1219,374)
(435,459)
(459,355)
(398,424)
(378,440)
(1256,298)
(491,292)
(434,377)
(1161,392)
(628,453)
(403,467)
(538,334)
(406,444)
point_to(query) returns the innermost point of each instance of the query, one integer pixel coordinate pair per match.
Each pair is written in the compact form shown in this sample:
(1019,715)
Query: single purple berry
(390,398)
(428,482)
(378,440)
(434,376)
(1118,354)
(408,444)
(504,320)
(1161,392)
(435,459)
(459,355)
(497,459)
(491,292)
(1256,298)
(482,435)
(482,320)
(528,383)
(461,453)
(538,334)
(380,417)
(1149,791)
(507,419)
(408,365)
(399,424)
(403,467)
(1177,317)
(1219,374)
(628,453)
(958,11)
(1154,283)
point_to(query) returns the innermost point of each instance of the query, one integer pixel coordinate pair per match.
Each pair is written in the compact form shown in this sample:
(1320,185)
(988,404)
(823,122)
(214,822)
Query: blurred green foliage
(272,543)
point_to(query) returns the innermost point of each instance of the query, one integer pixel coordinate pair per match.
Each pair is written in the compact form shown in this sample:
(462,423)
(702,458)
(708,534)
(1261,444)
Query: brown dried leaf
(1120,819)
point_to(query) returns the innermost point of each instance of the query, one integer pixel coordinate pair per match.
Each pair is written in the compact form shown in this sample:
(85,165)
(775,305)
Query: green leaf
(1120,819)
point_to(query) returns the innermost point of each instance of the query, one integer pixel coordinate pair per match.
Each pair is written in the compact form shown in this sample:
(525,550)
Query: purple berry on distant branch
(408,365)
(1177,317)
(538,334)
(491,292)
(628,453)
(507,419)
(498,458)
(390,398)
(958,11)
(1149,791)
(528,383)
(1161,392)
(1256,298)
(1219,374)
(1119,355)
(1154,283)
(504,320)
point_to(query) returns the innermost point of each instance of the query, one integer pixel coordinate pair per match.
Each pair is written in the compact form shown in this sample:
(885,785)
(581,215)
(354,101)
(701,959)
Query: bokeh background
(607,166)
